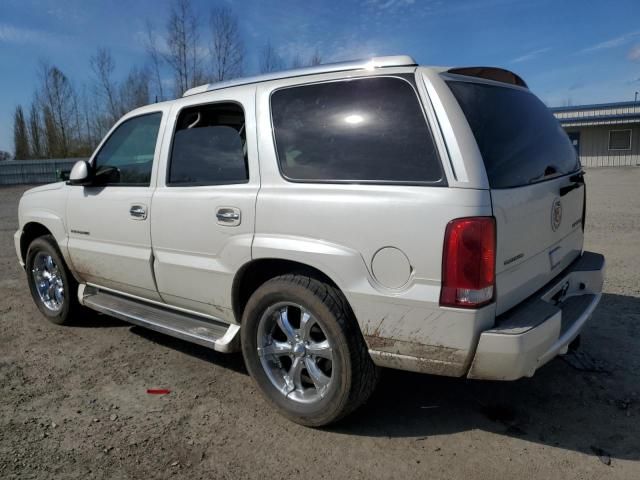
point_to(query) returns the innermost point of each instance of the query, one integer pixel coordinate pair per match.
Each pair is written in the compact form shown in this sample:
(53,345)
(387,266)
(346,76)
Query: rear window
(357,131)
(520,140)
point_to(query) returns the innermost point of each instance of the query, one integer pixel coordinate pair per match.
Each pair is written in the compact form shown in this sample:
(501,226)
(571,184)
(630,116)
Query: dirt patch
(75,402)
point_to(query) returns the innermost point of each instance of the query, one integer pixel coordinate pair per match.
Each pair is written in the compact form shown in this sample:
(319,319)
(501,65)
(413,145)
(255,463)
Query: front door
(109,232)
(202,215)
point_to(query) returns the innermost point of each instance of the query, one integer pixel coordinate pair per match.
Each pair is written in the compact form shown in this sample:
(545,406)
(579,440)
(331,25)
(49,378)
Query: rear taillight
(468,262)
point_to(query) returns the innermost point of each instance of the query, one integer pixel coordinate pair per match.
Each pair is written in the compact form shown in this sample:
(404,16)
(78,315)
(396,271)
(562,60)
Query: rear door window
(520,140)
(358,131)
(209,146)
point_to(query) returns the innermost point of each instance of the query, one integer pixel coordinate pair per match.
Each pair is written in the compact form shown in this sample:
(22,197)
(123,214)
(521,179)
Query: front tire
(53,288)
(304,349)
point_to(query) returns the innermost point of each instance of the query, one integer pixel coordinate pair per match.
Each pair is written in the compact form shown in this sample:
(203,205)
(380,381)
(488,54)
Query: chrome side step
(218,335)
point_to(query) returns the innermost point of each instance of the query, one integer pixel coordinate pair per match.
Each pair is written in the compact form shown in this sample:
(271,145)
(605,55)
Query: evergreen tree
(20,135)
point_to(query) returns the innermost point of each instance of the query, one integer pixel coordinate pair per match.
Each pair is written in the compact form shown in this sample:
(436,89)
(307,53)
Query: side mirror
(80,174)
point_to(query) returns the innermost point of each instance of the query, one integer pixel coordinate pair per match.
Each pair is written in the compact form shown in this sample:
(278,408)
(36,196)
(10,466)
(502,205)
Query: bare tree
(20,135)
(34,124)
(226,48)
(182,43)
(59,101)
(155,59)
(297,61)
(270,61)
(103,66)
(316,58)
(51,134)
(134,90)
(88,125)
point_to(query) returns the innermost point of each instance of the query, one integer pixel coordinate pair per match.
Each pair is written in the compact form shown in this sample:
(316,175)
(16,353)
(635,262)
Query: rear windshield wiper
(577,181)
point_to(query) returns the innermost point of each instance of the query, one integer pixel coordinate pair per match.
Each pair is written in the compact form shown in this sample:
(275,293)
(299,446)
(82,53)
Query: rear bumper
(529,335)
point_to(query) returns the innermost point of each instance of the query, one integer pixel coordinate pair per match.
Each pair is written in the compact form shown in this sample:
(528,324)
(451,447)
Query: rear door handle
(228,216)
(138,212)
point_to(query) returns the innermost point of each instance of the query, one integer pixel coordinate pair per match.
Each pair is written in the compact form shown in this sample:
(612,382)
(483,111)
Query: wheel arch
(256,272)
(31,231)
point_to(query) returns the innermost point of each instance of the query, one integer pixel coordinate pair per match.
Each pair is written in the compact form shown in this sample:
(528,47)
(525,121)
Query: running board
(218,335)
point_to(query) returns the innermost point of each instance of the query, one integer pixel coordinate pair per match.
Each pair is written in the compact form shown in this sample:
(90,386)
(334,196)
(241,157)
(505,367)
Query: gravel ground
(74,401)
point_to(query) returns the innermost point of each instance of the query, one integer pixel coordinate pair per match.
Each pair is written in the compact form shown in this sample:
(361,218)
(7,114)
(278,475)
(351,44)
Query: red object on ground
(158,391)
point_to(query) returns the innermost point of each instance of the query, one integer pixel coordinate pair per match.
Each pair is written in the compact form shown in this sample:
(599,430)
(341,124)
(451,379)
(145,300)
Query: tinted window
(520,140)
(209,146)
(370,129)
(130,149)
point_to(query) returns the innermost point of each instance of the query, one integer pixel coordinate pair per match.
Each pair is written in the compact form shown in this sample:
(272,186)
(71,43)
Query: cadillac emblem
(556,214)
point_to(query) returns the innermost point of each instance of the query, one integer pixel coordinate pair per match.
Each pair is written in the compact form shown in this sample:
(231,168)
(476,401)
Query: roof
(617,113)
(364,64)
(487,73)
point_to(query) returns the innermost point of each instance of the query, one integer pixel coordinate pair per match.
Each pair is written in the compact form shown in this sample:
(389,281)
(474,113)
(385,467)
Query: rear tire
(302,346)
(53,288)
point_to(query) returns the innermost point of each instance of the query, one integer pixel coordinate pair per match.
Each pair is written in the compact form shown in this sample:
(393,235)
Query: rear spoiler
(490,73)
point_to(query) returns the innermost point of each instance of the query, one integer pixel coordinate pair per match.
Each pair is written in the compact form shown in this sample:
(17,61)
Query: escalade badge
(556,214)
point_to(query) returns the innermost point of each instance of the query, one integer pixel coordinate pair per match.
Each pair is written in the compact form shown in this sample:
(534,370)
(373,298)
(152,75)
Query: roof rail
(368,64)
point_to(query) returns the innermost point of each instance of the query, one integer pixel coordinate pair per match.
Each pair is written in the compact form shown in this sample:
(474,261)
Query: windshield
(520,140)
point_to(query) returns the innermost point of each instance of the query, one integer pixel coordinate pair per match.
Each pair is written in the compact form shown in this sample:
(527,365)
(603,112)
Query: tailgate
(539,233)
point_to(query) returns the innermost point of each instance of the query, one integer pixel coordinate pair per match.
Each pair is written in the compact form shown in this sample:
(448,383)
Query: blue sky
(577,51)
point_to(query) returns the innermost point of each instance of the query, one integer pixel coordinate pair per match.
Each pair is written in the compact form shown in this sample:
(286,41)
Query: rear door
(203,210)
(536,186)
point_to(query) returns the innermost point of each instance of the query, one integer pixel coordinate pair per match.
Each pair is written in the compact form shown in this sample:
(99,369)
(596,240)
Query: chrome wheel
(48,281)
(295,352)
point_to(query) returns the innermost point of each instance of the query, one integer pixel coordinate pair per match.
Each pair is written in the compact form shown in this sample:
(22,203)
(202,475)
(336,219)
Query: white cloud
(11,34)
(397,7)
(634,53)
(612,42)
(530,55)
(389,4)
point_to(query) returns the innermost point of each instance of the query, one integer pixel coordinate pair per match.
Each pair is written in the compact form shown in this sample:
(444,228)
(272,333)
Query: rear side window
(209,146)
(357,131)
(520,140)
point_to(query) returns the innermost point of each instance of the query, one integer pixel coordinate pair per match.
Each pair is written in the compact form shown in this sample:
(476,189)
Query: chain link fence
(14,172)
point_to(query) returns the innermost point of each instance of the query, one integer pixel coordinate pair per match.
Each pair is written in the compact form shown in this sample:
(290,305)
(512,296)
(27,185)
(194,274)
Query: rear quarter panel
(338,228)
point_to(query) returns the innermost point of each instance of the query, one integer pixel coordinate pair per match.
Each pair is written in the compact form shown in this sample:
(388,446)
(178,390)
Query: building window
(619,139)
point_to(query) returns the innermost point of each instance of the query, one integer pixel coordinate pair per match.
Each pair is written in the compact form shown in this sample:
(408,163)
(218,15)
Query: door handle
(138,212)
(228,216)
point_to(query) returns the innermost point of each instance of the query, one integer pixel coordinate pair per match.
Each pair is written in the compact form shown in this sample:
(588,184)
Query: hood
(44,188)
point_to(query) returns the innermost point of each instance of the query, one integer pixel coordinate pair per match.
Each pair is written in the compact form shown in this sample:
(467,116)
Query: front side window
(619,139)
(129,151)
(209,146)
(357,131)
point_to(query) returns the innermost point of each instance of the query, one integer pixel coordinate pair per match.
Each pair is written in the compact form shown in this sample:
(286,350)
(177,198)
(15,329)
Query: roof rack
(365,64)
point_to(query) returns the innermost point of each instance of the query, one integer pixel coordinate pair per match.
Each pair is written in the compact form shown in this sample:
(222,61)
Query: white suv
(327,221)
